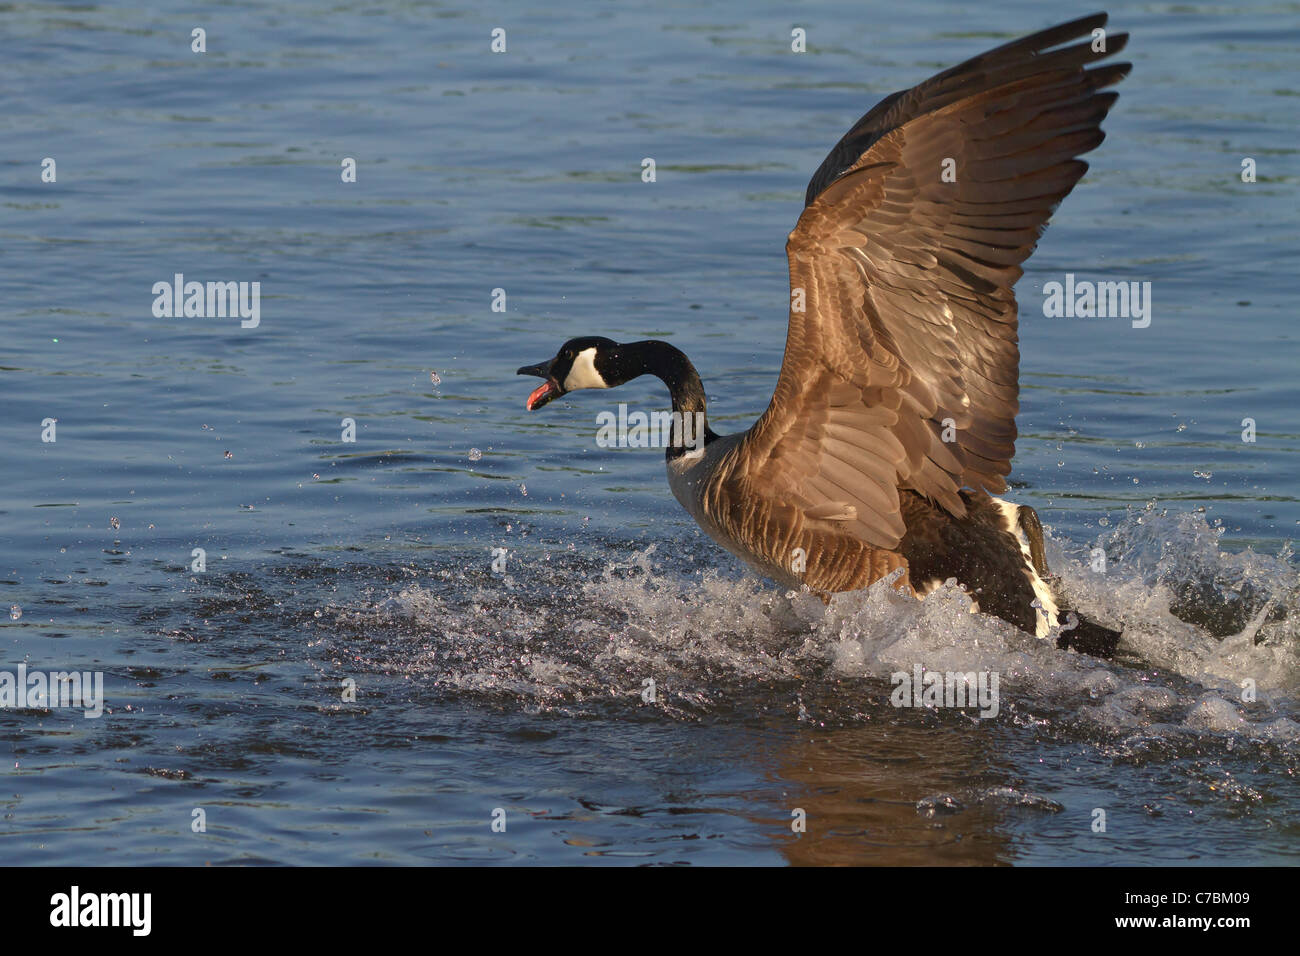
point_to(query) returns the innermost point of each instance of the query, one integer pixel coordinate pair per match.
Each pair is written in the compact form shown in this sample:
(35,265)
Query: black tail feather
(1087,637)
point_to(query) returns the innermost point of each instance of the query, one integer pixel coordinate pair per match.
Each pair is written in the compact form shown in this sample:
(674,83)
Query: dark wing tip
(972,77)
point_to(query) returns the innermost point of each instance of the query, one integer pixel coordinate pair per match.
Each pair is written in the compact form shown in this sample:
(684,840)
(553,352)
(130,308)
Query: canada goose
(894,414)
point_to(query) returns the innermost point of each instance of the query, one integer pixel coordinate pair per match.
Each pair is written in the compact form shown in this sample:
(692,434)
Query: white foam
(571,634)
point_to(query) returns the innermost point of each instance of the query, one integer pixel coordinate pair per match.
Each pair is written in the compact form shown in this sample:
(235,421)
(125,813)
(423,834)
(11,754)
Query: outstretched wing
(902,369)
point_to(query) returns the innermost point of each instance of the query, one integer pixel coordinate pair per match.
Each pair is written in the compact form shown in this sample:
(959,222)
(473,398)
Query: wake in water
(578,636)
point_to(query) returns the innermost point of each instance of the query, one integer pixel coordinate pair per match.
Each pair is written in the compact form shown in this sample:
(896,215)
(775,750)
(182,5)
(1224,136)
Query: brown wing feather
(1017,58)
(911,320)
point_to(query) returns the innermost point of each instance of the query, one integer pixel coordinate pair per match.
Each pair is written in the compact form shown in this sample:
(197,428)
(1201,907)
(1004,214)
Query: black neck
(671,366)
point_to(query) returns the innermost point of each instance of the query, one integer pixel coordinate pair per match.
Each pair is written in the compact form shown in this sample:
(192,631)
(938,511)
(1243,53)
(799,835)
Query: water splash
(580,634)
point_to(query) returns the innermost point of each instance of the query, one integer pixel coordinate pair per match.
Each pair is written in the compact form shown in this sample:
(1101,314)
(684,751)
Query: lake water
(369,563)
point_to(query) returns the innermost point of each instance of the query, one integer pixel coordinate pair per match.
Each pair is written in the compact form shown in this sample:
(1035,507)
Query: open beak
(546,391)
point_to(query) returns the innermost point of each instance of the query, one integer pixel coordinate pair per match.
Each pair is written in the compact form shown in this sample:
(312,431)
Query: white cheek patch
(583,372)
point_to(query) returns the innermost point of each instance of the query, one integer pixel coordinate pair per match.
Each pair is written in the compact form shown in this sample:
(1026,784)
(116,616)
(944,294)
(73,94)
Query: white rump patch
(1043,623)
(583,372)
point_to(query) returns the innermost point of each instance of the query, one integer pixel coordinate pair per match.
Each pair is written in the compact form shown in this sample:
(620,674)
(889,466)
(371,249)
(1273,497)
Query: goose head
(587,362)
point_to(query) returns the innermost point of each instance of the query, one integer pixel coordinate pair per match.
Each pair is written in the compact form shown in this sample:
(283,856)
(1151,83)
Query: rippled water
(371,562)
